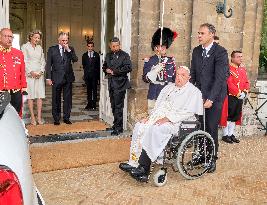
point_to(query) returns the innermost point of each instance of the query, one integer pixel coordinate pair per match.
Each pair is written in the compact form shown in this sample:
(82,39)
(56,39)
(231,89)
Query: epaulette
(146,59)
(234,74)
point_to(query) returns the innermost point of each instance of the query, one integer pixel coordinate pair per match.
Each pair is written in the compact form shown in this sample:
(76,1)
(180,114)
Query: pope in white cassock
(176,102)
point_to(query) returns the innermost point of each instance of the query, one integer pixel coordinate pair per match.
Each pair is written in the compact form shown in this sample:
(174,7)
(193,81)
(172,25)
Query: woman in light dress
(35,67)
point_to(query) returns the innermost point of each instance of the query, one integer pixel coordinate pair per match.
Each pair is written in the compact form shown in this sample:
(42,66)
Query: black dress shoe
(126,167)
(116,132)
(227,139)
(139,171)
(67,122)
(212,167)
(140,174)
(56,123)
(143,178)
(233,138)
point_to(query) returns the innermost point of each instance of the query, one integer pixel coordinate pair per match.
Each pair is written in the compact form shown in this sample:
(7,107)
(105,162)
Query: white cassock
(175,103)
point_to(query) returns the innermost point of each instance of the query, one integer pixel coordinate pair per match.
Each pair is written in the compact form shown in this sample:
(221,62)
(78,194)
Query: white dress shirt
(208,48)
(61,49)
(91,54)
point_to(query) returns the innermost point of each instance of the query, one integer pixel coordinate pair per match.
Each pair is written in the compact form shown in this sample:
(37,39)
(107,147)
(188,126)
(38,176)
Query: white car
(16,181)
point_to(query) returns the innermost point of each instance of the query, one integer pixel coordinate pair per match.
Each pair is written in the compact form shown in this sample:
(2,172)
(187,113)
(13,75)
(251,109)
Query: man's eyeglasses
(7,36)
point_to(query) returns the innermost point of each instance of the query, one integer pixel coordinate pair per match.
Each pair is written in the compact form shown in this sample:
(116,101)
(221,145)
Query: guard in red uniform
(238,86)
(12,69)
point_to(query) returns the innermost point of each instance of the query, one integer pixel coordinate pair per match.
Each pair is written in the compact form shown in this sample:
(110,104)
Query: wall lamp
(64,31)
(221,9)
(88,36)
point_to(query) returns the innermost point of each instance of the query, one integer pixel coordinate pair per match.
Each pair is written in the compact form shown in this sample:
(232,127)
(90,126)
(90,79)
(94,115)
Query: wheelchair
(190,152)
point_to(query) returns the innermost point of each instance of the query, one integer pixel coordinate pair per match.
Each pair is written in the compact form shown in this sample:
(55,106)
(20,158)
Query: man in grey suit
(209,72)
(60,75)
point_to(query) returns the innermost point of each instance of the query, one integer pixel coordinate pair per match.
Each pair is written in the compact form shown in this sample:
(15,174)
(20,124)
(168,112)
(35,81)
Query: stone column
(31,17)
(4,14)
(145,20)
(250,20)
(257,39)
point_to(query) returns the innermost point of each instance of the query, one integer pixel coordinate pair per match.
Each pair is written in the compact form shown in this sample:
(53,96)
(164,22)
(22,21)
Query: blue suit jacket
(210,75)
(58,67)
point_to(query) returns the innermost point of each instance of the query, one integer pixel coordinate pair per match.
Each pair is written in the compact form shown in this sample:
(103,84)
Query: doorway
(100,19)
(115,21)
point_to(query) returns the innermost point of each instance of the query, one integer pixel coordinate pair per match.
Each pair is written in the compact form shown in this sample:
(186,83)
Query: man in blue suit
(209,72)
(60,75)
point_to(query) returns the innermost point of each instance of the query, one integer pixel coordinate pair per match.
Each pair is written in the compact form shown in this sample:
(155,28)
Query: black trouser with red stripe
(16,100)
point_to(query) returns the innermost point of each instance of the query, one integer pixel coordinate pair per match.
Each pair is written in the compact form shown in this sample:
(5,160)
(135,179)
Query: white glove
(242,96)
(152,75)
(157,68)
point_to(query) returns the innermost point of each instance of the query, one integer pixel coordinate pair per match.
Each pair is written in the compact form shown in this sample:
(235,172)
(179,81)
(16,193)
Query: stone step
(72,150)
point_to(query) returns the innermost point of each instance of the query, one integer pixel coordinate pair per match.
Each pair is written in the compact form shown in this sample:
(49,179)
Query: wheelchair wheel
(195,154)
(160,178)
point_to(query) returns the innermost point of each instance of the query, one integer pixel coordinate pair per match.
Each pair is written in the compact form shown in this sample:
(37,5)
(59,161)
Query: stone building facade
(242,31)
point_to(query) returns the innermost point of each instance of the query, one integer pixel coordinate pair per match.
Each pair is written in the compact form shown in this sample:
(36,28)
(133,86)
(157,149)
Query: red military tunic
(12,69)
(237,82)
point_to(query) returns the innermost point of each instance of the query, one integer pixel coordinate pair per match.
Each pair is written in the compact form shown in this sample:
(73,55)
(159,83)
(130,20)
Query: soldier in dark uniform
(91,67)
(12,70)
(116,66)
(159,69)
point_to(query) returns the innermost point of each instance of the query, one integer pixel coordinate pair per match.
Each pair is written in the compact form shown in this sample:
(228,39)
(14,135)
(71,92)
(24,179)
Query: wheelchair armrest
(189,122)
(197,123)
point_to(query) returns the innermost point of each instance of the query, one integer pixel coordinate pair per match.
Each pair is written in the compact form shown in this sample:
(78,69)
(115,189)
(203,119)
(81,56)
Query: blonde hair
(31,34)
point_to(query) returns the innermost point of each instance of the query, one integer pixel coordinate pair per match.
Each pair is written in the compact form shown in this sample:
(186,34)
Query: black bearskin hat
(167,37)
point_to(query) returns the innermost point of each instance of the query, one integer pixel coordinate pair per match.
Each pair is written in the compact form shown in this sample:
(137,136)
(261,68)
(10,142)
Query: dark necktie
(204,54)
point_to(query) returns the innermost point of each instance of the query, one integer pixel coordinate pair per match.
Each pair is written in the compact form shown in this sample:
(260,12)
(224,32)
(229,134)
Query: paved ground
(241,178)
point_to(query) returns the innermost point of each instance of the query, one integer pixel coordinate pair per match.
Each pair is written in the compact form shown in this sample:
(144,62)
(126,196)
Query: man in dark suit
(91,67)
(116,66)
(59,74)
(209,72)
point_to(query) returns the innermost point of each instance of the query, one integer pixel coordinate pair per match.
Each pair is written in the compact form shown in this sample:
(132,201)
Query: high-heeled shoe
(40,122)
(33,122)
